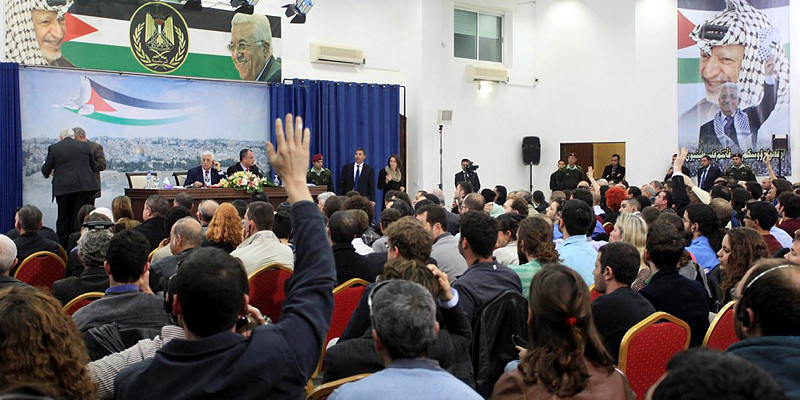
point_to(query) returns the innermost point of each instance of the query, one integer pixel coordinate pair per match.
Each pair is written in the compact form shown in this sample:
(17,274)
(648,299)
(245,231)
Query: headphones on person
(741,313)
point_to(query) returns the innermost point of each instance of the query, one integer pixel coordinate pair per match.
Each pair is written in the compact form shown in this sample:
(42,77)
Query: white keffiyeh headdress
(21,45)
(742,24)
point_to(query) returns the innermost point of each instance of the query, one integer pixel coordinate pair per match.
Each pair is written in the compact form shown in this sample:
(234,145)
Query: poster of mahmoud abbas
(733,81)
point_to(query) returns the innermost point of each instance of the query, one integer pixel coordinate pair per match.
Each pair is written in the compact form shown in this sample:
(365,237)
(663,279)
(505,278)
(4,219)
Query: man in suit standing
(358,176)
(207,174)
(614,172)
(247,162)
(468,174)
(707,174)
(74,183)
(98,155)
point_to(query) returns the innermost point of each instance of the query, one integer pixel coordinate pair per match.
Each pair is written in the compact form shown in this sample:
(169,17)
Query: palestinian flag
(100,36)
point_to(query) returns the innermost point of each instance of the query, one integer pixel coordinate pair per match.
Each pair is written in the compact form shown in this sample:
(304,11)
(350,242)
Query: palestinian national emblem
(159,37)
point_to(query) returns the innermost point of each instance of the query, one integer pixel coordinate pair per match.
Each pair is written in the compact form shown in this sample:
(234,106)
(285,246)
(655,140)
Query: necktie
(729,131)
(703,177)
(358,175)
(208,177)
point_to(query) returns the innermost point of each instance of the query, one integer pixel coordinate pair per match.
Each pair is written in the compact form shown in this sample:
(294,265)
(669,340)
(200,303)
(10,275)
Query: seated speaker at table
(207,174)
(247,162)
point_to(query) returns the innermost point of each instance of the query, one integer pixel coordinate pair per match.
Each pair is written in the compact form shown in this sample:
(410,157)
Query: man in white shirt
(260,246)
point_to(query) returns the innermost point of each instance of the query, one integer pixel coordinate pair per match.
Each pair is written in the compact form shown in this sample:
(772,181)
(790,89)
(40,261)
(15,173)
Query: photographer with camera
(468,174)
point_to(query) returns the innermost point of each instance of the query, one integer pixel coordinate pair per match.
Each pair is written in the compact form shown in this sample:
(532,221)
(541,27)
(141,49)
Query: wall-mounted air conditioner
(487,74)
(336,54)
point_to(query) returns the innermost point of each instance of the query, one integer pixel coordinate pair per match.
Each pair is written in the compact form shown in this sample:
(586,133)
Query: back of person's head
(561,333)
(664,246)
(769,298)
(720,192)
(634,191)
(363,221)
(474,202)
(361,203)
(409,237)
(704,216)
(334,204)
(525,195)
(121,207)
(538,197)
(614,197)
(92,247)
(434,214)
(755,189)
(8,253)
(403,207)
(30,218)
(596,198)
(633,230)
(734,378)
(388,216)
(509,223)
(39,344)
(184,199)
(283,225)
(189,230)
(158,205)
(643,201)
(520,206)
(207,208)
(411,270)
(558,194)
(344,227)
(174,214)
(488,195)
(210,285)
(672,219)
(535,237)
(433,198)
(624,260)
(480,231)
(225,226)
(323,197)
(403,316)
(85,210)
(259,196)
(502,194)
(577,217)
(791,204)
(739,198)
(465,186)
(764,213)
(420,203)
(781,186)
(126,256)
(241,207)
(746,247)
(722,208)
(650,214)
(262,214)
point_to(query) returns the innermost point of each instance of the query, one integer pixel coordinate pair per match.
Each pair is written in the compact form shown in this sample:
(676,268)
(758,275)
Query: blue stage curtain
(10,145)
(342,117)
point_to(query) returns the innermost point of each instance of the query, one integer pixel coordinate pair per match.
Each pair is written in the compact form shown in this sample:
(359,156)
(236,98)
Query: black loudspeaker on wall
(531,150)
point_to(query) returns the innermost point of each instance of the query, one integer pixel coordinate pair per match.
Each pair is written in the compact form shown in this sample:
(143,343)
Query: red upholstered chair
(82,301)
(266,289)
(41,269)
(322,392)
(608,227)
(594,293)
(721,333)
(62,253)
(648,346)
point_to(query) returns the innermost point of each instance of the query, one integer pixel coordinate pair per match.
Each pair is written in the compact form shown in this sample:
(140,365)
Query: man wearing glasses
(251,49)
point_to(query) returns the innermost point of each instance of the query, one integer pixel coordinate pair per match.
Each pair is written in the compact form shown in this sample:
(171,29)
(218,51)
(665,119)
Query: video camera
(471,167)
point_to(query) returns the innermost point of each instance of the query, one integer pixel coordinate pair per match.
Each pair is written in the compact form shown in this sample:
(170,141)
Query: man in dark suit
(614,172)
(205,175)
(74,183)
(707,174)
(342,229)
(153,227)
(358,176)
(28,222)
(247,162)
(668,290)
(97,153)
(468,175)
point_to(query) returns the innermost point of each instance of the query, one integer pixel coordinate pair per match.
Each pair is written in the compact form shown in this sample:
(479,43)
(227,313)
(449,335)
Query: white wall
(606,70)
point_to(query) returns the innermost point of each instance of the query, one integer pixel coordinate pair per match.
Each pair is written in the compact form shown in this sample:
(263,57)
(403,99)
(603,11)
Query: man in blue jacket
(209,295)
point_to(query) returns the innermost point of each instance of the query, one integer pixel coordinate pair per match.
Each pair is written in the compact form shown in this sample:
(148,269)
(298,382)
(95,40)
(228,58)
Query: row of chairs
(138,180)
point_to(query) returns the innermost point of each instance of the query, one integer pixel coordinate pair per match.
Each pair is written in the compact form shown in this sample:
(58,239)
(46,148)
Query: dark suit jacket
(618,175)
(74,165)
(238,167)
(616,312)
(45,232)
(472,178)
(91,280)
(29,243)
(350,264)
(196,175)
(366,182)
(100,161)
(670,292)
(713,173)
(273,71)
(154,229)
(756,115)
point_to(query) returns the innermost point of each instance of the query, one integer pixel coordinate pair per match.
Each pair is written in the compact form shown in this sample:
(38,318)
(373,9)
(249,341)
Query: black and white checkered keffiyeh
(740,23)
(21,45)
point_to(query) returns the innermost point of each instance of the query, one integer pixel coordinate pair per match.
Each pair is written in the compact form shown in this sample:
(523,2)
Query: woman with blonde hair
(122,212)
(225,229)
(632,229)
(40,345)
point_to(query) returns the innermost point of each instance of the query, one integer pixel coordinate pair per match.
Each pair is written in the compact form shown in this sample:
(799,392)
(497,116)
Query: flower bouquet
(242,180)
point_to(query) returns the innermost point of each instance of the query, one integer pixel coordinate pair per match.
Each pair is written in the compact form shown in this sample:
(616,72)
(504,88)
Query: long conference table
(276,195)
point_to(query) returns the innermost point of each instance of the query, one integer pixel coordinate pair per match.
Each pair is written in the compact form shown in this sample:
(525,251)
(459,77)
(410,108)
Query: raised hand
(444,283)
(291,158)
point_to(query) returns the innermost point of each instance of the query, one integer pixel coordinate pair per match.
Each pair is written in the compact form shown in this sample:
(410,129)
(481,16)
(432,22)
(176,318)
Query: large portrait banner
(733,82)
(144,123)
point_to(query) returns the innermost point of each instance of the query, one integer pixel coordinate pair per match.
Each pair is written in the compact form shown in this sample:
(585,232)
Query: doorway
(597,155)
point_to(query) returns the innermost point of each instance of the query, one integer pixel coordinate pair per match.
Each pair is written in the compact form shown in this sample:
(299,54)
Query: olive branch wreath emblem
(155,66)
